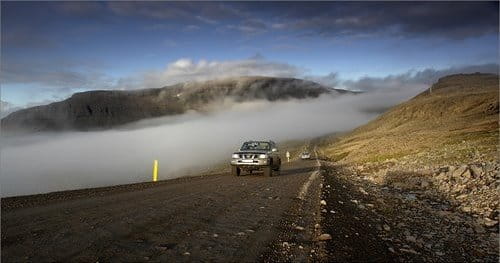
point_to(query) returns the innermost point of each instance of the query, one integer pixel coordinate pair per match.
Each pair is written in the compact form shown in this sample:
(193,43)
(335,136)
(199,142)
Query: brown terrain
(431,165)
(419,183)
(205,218)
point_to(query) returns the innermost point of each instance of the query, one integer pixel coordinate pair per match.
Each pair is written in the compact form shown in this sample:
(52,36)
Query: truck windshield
(256,146)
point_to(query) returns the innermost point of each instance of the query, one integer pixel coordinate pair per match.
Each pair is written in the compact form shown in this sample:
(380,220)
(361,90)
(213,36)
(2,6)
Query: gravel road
(205,218)
(306,214)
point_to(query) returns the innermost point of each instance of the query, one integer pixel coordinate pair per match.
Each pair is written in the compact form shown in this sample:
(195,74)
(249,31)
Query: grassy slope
(456,122)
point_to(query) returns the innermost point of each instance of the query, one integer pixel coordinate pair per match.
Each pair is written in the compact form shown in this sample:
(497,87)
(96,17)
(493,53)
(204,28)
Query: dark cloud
(451,20)
(205,12)
(456,20)
(250,27)
(78,8)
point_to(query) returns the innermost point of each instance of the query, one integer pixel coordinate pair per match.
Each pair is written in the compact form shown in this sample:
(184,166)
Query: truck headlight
(262,156)
(235,156)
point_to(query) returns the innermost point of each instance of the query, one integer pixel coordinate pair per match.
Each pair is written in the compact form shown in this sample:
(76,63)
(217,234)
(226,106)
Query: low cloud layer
(406,80)
(185,70)
(192,141)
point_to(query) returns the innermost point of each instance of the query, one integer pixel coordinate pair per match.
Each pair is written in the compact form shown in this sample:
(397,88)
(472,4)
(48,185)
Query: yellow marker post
(155,171)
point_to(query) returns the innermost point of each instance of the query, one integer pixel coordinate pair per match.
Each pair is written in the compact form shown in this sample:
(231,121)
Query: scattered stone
(324,237)
(323,202)
(476,170)
(317,226)
(479,229)
(249,230)
(386,227)
(240,233)
(215,235)
(411,239)
(333,212)
(392,250)
(411,251)
(299,228)
(410,197)
(424,184)
(301,247)
(459,171)
(187,253)
(162,247)
(285,244)
(439,253)
(490,223)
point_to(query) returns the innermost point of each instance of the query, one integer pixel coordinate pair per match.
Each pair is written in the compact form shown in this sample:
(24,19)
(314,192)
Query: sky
(50,50)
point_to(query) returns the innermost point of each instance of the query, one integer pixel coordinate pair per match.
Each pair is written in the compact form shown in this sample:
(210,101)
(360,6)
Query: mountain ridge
(102,109)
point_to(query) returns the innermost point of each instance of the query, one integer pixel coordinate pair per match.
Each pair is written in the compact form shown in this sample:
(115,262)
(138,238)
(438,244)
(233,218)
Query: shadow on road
(285,172)
(298,170)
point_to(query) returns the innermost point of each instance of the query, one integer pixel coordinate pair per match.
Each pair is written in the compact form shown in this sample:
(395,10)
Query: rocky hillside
(440,145)
(105,109)
(459,112)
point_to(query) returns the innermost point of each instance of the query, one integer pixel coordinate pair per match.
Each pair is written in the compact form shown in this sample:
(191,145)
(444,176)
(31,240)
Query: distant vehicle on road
(256,155)
(305,156)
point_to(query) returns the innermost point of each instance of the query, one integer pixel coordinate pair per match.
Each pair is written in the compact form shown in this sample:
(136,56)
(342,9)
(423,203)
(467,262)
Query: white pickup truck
(256,155)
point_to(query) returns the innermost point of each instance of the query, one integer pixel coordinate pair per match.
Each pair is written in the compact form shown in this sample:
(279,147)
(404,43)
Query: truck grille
(248,156)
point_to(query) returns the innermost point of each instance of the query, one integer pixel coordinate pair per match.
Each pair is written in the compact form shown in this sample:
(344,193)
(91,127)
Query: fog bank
(73,160)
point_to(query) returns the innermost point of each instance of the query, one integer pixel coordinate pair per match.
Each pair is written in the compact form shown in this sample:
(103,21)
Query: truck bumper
(249,162)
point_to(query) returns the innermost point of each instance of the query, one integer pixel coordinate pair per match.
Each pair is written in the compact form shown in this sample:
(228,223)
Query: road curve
(206,218)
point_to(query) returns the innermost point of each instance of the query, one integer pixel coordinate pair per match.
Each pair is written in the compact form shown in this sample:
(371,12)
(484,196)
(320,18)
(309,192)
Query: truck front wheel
(268,171)
(236,171)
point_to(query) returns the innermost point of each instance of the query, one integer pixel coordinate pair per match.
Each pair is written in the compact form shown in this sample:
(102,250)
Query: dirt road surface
(251,218)
(205,218)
